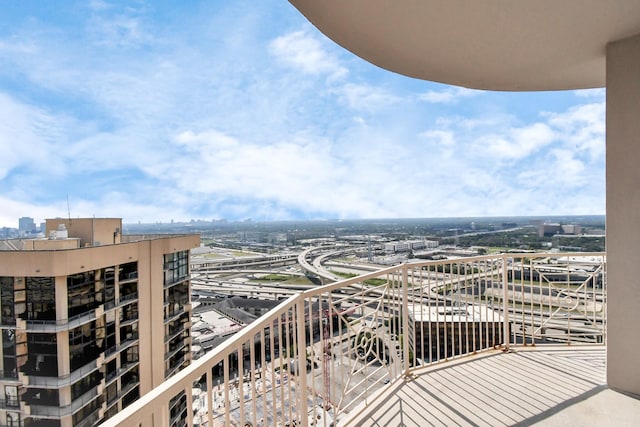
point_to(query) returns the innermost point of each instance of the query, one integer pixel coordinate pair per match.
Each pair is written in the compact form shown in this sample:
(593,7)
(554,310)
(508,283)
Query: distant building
(26,226)
(6,232)
(548,230)
(91,320)
(571,229)
(409,245)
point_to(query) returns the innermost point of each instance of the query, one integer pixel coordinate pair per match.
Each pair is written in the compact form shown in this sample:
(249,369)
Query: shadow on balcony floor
(546,386)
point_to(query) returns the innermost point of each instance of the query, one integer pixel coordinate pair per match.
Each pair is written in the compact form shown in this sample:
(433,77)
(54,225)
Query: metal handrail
(354,337)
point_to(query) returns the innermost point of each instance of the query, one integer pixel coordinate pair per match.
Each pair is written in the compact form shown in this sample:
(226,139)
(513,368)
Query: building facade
(90,320)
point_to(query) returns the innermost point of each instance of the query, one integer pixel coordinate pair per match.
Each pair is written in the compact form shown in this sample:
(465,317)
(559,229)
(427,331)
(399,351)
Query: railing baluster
(188,391)
(505,303)
(227,406)
(253,394)
(263,374)
(240,370)
(209,376)
(405,319)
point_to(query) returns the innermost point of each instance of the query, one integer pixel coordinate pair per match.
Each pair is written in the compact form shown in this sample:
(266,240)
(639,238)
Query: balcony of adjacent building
(47,323)
(491,340)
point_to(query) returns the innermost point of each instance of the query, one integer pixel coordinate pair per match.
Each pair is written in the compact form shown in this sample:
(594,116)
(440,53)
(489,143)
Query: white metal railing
(322,355)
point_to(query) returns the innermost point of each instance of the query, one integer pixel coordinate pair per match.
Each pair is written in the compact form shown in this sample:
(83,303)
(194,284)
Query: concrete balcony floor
(544,386)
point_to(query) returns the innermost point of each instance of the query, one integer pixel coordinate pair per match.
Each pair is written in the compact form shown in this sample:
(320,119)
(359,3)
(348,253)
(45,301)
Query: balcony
(38,411)
(62,380)
(125,343)
(548,385)
(489,340)
(53,325)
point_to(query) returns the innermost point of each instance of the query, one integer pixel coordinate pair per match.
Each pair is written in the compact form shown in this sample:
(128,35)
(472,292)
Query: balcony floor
(545,386)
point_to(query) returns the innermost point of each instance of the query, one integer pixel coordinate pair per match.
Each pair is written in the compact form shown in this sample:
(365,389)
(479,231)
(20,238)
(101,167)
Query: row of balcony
(56,412)
(53,325)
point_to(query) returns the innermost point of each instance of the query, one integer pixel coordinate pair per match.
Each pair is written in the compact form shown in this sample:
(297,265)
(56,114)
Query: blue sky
(159,110)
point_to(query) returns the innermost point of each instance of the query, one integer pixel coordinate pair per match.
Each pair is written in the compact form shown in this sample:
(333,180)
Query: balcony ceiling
(513,45)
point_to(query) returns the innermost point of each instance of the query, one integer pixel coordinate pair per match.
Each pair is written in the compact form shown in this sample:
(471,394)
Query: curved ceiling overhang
(511,45)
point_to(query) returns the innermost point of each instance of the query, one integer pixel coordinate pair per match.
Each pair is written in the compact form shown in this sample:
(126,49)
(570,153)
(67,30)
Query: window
(111,337)
(128,271)
(81,293)
(89,411)
(129,313)
(129,332)
(7,312)
(83,346)
(130,378)
(11,396)
(109,287)
(175,298)
(85,384)
(129,356)
(112,392)
(9,353)
(13,419)
(176,267)
(41,298)
(41,396)
(42,355)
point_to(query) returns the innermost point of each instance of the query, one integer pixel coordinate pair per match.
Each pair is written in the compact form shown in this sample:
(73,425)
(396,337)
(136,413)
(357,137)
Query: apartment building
(91,320)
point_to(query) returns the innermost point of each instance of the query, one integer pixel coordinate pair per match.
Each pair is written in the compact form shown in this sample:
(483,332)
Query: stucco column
(623,215)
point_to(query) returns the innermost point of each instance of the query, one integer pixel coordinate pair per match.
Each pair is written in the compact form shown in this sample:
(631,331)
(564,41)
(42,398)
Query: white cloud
(441,137)
(591,93)
(284,171)
(366,97)
(118,27)
(519,143)
(99,5)
(582,127)
(12,209)
(305,53)
(204,142)
(137,120)
(448,95)
(29,138)
(569,171)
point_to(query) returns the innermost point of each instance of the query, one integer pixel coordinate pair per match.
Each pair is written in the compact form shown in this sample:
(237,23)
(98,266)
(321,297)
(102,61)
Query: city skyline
(153,112)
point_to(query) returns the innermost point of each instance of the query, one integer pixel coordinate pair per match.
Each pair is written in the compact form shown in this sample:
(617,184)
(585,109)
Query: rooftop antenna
(68,210)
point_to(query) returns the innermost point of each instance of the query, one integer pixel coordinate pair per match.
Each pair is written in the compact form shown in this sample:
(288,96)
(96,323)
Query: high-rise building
(90,321)
(26,225)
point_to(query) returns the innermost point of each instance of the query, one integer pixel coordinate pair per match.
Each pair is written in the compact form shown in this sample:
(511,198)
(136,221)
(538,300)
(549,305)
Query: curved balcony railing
(321,355)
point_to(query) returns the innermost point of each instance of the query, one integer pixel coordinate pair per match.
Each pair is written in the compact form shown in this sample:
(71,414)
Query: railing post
(189,396)
(405,319)
(505,303)
(209,397)
(303,410)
